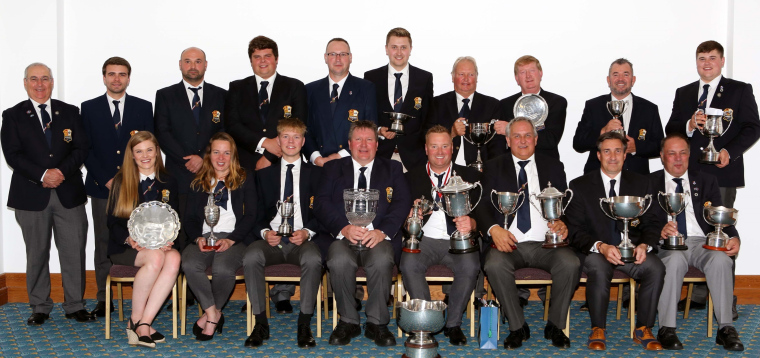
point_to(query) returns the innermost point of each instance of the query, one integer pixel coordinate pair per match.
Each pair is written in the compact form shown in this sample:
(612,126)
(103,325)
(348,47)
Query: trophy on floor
(361,209)
(533,107)
(720,217)
(398,119)
(413,226)
(616,109)
(550,201)
(286,209)
(455,202)
(626,208)
(713,128)
(674,204)
(153,224)
(211,214)
(421,319)
(479,134)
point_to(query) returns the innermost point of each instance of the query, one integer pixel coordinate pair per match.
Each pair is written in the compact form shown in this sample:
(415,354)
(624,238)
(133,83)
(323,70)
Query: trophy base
(475,248)
(462,244)
(421,350)
(674,247)
(710,158)
(206,247)
(553,240)
(397,128)
(285,234)
(626,255)
(553,245)
(716,248)
(358,247)
(411,251)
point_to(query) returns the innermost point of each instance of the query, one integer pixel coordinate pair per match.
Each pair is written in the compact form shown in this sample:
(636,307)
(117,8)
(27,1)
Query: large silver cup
(413,226)
(720,217)
(713,128)
(421,319)
(398,119)
(211,215)
(479,134)
(361,209)
(616,109)
(507,203)
(286,209)
(551,209)
(626,208)
(674,204)
(455,202)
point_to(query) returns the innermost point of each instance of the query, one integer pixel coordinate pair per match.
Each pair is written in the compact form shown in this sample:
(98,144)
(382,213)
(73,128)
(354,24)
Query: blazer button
(340,146)
(51,155)
(197,133)
(118,167)
(118,152)
(265,129)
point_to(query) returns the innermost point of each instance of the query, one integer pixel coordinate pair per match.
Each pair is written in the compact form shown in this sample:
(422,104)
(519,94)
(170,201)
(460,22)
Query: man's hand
(320,161)
(733,246)
(697,120)
(640,253)
(271,146)
(193,163)
(109,184)
(224,244)
(52,178)
(353,233)
(631,148)
(372,238)
(464,224)
(334,156)
(503,239)
(272,238)
(501,127)
(459,127)
(611,253)
(386,133)
(670,229)
(299,237)
(724,158)
(262,163)
(612,125)
(558,227)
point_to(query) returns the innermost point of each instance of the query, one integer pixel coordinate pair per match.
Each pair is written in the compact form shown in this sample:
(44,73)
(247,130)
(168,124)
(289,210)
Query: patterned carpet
(60,337)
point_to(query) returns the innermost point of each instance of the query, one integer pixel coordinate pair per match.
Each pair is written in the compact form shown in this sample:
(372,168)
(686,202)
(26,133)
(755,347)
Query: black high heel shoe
(219,327)
(131,335)
(145,341)
(197,330)
(157,337)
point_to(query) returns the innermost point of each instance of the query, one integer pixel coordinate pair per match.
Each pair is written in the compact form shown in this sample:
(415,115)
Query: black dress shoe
(446,299)
(668,338)
(515,338)
(258,335)
(81,316)
(693,305)
(305,338)
(558,337)
(358,304)
(244,308)
(343,333)
(37,319)
(729,339)
(283,306)
(584,307)
(523,302)
(100,309)
(477,304)
(380,334)
(456,336)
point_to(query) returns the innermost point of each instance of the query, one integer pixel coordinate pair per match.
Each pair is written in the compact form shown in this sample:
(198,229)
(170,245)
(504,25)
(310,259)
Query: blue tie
(220,195)
(615,233)
(287,192)
(702,103)
(196,105)
(46,123)
(116,117)
(334,98)
(681,218)
(523,213)
(362,179)
(397,100)
(465,111)
(264,101)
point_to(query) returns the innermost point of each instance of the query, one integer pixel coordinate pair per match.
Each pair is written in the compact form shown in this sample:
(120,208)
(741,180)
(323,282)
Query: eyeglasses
(341,54)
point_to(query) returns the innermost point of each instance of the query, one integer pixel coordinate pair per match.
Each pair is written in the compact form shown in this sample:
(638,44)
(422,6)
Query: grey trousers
(561,262)
(436,252)
(717,268)
(223,266)
(699,294)
(69,229)
(342,261)
(260,254)
(100,258)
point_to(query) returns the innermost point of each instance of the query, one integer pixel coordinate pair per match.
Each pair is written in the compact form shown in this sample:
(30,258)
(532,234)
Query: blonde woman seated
(142,178)
(221,176)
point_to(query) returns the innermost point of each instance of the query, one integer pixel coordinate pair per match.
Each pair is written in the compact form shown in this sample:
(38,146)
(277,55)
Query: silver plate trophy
(421,319)
(455,202)
(211,215)
(674,204)
(478,135)
(626,208)
(550,201)
(507,203)
(533,107)
(713,128)
(616,109)
(286,209)
(153,224)
(413,226)
(398,119)
(361,208)
(720,217)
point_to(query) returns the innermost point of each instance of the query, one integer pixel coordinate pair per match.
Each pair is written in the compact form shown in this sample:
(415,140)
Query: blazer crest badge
(353,115)
(67,135)
(311,202)
(389,194)
(287,111)
(417,103)
(132,133)
(642,134)
(216,116)
(165,195)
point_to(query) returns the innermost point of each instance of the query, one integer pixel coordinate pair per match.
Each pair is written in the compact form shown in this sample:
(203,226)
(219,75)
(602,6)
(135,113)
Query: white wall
(575,41)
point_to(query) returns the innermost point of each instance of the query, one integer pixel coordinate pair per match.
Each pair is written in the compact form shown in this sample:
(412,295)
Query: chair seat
(121,271)
(616,275)
(282,270)
(439,271)
(361,272)
(694,273)
(532,274)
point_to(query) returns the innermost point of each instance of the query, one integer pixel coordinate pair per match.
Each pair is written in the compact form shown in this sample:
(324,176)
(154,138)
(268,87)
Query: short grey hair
(518,120)
(620,61)
(464,58)
(34,64)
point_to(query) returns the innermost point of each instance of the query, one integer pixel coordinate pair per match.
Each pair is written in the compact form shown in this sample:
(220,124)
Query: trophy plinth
(455,202)
(211,215)
(720,217)
(153,224)
(507,204)
(616,109)
(420,319)
(397,122)
(286,209)
(413,226)
(361,209)
(713,128)
(551,209)
(479,134)
(673,204)
(626,208)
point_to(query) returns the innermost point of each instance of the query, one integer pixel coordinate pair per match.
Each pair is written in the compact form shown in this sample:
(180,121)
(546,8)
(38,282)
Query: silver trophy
(713,128)
(720,217)
(413,225)
(674,204)
(551,209)
(616,109)
(398,119)
(455,202)
(286,209)
(533,107)
(361,209)
(479,134)
(626,208)
(421,319)
(153,224)
(507,205)
(211,213)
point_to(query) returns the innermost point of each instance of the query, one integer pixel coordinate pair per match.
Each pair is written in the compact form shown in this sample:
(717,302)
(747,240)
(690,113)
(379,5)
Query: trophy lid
(550,192)
(456,185)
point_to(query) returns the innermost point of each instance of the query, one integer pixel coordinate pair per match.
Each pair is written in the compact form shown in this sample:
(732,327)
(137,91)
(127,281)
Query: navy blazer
(444,112)
(419,97)
(177,132)
(244,200)
(549,137)
(328,133)
(392,208)
(645,117)
(106,148)
(28,154)
(740,136)
(243,120)
(703,188)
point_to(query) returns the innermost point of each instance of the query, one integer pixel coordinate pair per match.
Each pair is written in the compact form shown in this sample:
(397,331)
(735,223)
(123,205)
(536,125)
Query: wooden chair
(288,273)
(361,276)
(692,276)
(620,278)
(121,274)
(183,305)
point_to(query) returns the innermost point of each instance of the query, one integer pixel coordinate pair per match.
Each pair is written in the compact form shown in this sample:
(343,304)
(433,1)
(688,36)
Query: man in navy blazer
(363,170)
(641,122)
(255,105)
(110,120)
(45,144)
(335,102)
(414,88)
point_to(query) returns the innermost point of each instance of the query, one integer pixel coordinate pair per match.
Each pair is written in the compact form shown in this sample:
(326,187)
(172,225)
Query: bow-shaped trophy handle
(533,202)
(568,200)
(491,129)
(728,115)
(434,193)
(467,133)
(479,196)
(605,200)
(490,196)
(648,196)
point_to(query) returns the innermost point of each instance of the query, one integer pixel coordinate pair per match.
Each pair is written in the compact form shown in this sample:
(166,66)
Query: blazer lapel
(304,192)
(184,103)
(452,106)
(340,117)
(724,87)
(476,112)
(35,123)
(277,96)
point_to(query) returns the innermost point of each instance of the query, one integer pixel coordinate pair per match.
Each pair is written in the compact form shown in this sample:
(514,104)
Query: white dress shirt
(298,223)
(343,152)
(460,155)
(435,227)
(226,217)
(606,181)
(538,226)
(367,174)
(692,225)
(259,148)
(191,94)
(392,83)
(113,107)
(37,109)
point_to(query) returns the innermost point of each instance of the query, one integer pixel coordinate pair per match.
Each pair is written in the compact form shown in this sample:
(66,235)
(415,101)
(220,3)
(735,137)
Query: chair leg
(399,282)
(619,301)
(632,308)
(183,307)
(324,292)
(395,294)
(108,308)
(548,301)
(567,324)
(250,318)
(709,315)
(472,314)
(488,290)
(174,311)
(688,301)
(319,312)
(335,312)
(121,301)
(266,299)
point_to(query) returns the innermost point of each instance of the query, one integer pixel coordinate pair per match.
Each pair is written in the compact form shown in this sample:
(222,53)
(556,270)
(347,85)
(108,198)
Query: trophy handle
(467,134)
(701,129)
(568,200)
(479,196)
(648,196)
(728,115)
(659,201)
(278,205)
(532,202)
(490,196)
(492,130)
(522,201)
(601,200)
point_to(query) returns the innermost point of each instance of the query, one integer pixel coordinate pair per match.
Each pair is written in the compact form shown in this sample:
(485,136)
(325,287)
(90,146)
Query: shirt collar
(357,165)
(669,177)
(532,159)
(460,97)
(606,178)
(392,71)
(715,81)
(432,172)
(203,83)
(284,165)
(111,99)
(37,104)
(270,79)
(340,83)
(628,98)
(151,176)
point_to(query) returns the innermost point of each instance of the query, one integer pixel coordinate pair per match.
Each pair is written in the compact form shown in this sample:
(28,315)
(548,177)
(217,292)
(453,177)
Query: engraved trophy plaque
(720,217)
(211,214)
(421,319)
(550,201)
(713,128)
(361,209)
(455,202)
(286,209)
(626,208)
(153,224)
(674,204)
(413,226)
(616,109)
(397,122)
(479,134)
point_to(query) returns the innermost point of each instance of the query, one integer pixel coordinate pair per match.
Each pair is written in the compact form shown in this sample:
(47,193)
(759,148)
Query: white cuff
(344,153)
(489,229)
(594,249)
(259,148)
(688,132)
(314,156)
(43,176)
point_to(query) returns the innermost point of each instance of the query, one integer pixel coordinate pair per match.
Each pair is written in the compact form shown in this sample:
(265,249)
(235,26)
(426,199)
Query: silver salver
(533,107)
(153,224)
